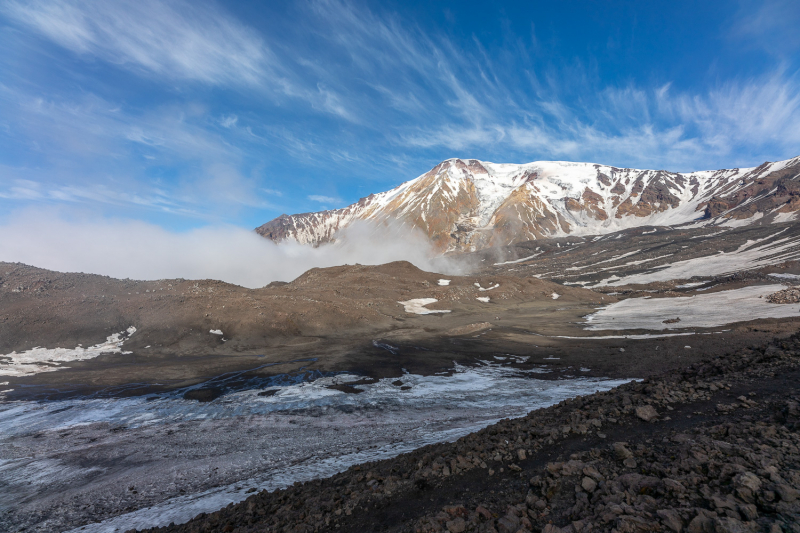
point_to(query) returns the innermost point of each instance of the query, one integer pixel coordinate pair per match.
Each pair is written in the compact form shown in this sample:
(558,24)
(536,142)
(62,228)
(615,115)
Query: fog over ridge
(124,248)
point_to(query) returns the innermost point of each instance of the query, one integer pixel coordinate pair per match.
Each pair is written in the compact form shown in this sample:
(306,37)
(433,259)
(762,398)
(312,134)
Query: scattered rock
(671,519)
(786,296)
(646,412)
(457,526)
(621,451)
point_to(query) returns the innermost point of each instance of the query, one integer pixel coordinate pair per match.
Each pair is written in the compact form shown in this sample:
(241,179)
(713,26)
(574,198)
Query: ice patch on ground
(417,306)
(304,431)
(39,359)
(698,311)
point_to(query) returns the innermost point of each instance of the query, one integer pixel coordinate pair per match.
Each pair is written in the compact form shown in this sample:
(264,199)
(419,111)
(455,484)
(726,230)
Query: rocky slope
(468,205)
(712,448)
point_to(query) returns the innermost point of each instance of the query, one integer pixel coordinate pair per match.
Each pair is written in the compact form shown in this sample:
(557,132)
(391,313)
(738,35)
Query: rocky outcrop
(775,192)
(786,296)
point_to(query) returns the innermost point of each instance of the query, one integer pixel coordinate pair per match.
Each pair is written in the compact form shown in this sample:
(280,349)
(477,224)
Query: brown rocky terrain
(42,307)
(712,448)
(334,319)
(329,315)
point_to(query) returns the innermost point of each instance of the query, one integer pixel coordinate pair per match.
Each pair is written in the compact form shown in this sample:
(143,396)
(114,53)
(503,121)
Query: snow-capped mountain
(466,204)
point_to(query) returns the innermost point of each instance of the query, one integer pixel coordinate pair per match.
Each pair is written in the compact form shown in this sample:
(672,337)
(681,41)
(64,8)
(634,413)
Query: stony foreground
(713,448)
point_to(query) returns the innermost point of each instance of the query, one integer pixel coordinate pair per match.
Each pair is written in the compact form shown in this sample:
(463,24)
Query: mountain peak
(467,204)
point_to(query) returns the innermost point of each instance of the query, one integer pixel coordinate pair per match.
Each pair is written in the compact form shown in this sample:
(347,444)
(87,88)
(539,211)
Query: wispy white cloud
(360,95)
(324,199)
(228,121)
(177,41)
(206,180)
(770,25)
(464,99)
(95,194)
(190,40)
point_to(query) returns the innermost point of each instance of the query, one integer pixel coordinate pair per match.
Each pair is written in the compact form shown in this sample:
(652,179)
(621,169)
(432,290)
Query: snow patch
(39,359)
(555,296)
(784,276)
(216,331)
(784,217)
(698,311)
(444,282)
(417,306)
(484,299)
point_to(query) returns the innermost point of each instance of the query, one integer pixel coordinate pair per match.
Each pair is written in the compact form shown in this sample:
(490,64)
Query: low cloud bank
(139,250)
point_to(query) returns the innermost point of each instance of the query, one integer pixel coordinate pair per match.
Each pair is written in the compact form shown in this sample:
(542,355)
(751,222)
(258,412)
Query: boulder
(588,484)
(671,519)
(647,413)
(457,525)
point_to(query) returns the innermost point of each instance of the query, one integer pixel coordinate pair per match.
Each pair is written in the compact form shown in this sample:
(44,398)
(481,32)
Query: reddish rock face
(466,205)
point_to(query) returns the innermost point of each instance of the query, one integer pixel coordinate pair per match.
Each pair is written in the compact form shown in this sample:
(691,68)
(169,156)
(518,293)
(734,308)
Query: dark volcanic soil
(713,448)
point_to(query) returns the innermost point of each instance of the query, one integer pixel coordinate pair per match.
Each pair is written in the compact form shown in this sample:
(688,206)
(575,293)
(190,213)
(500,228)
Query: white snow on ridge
(699,311)
(552,183)
(39,359)
(417,306)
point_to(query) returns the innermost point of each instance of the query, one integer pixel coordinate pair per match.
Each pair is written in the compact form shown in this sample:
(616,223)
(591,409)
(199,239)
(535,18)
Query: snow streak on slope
(749,256)
(469,204)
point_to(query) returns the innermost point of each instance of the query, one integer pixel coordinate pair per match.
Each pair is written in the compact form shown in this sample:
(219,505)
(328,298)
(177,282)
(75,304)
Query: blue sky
(185,114)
